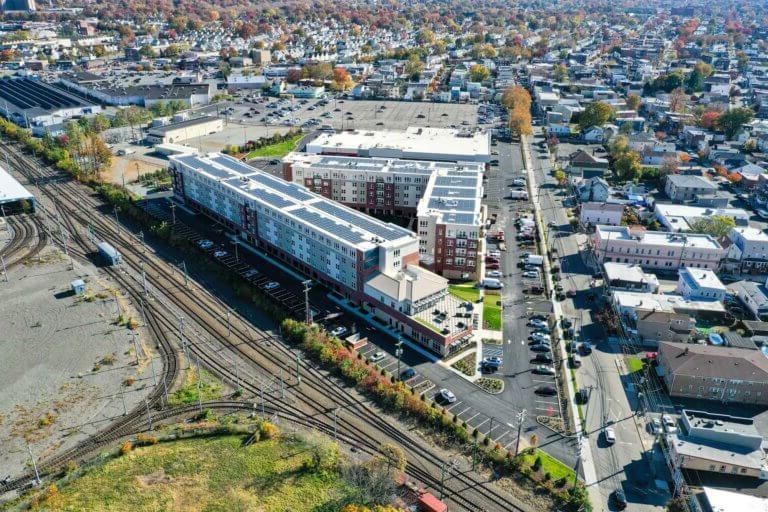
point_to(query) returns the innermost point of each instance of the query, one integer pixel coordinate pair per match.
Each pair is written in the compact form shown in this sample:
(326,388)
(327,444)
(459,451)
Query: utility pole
(520,419)
(149,415)
(173,212)
(181,337)
(335,433)
(229,325)
(237,256)
(307,310)
(282,384)
(34,465)
(199,380)
(298,368)
(399,353)
(143,278)
(154,375)
(117,221)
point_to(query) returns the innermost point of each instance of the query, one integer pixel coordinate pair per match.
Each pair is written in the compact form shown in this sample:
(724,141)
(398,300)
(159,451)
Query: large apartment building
(656,249)
(444,197)
(368,261)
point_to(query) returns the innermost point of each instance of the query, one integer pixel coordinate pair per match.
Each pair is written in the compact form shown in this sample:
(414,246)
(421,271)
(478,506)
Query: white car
(378,356)
(530,274)
(670,425)
(446,395)
(610,435)
(339,331)
(271,285)
(204,244)
(494,273)
(539,337)
(535,322)
(494,254)
(251,273)
(219,254)
(655,426)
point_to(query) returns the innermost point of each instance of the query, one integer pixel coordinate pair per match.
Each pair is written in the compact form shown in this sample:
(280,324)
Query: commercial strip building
(444,197)
(656,249)
(414,143)
(372,263)
(710,372)
(14,197)
(184,130)
(719,443)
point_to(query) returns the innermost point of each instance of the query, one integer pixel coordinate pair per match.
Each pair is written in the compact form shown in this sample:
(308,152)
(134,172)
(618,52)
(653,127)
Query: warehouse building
(370,262)
(414,143)
(14,198)
(184,130)
(445,198)
(40,106)
(114,91)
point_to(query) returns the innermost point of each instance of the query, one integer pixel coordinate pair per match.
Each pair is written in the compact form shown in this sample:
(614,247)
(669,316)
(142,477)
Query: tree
(425,37)
(393,456)
(627,165)
(708,119)
(147,51)
(670,165)
(341,79)
(715,225)
(677,100)
(225,69)
(633,101)
(478,73)
(520,122)
(413,68)
(560,72)
(695,81)
(293,75)
(596,113)
(516,96)
(560,177)
(732,120)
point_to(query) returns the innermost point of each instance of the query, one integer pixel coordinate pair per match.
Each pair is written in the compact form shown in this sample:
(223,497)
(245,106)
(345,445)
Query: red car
(491,259)
(493,266)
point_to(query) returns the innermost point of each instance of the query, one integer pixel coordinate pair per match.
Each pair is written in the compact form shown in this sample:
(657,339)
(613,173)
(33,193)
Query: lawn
(549,465)
(492,312)
(277,150)
(466,291)
(210,389)
(213,474)
(634,364)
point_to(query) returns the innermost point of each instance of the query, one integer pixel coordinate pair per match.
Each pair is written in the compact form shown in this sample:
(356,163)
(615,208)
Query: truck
(518,194)
(110,255)
(534,259)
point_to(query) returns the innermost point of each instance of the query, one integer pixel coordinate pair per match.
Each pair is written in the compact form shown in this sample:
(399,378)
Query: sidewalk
(587,460)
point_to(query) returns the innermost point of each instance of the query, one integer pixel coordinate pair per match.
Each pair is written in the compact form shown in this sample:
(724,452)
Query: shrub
(126,448)
(537,464)
(146,439)
(268,430)
(486,441)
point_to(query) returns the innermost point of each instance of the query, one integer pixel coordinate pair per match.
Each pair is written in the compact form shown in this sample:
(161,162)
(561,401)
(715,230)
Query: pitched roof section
(715,361)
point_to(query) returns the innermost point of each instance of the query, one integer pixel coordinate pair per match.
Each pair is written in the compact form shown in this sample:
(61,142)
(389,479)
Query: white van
(491,283)
(534,259)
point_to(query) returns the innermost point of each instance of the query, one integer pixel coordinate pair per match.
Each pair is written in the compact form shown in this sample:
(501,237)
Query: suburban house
(593,213)
(719,443)
(586,165)
(711,372)
(680,187)
(750,175)
(753,296)
(653,326)
(593,189)
(700,284)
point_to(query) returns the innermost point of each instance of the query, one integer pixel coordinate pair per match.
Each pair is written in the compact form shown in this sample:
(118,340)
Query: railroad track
(28,240)
(317,397)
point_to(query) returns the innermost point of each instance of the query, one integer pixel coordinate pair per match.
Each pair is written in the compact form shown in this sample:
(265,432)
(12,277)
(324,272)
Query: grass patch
(205,474)
(466,291)
(279,149)
(466,364)
(210,389)
(549,464)
(427,324)
(634,364)
(492,312)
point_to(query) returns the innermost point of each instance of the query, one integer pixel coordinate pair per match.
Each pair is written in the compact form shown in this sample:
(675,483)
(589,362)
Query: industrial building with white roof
(13,196)
(414,143)
(369,261)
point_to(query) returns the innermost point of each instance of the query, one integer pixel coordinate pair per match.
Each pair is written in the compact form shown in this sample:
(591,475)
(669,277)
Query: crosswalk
(492,350)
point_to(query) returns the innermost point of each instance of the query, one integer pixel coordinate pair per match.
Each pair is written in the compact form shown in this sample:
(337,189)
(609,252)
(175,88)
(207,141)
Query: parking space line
(454,405)
(486,420)
(462,412)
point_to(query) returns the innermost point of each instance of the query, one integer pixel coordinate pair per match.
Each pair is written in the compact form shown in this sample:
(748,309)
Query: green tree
(478,73)
(560,176)
(633,101)
(147,51)
(627,165)
(414,67)
(715,225)
(560,72)
(596,113)
(732,120)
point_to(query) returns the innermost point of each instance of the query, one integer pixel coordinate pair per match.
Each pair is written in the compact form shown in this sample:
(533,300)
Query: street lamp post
(399,353)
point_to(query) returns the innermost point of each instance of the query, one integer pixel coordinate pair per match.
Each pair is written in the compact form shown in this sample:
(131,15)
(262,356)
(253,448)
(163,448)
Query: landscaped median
(394,396)
(492,312)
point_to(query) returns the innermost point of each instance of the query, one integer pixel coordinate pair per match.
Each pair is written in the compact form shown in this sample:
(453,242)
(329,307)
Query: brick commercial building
(710,372)
(370,262)
(444,197)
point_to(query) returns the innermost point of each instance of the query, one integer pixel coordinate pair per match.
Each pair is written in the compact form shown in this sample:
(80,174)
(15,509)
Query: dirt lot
(67,362)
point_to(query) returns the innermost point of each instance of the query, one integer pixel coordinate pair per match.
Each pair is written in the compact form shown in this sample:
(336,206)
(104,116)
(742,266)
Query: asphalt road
(612,399)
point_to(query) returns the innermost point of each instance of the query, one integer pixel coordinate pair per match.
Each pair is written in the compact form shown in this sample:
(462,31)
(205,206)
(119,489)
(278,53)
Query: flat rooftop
(414,142)
(666,303)
(165,128)
(24,96)
(701,278)
(10,189)
(378,165)
(455,197)
(321,214)
(680,216)
(628,272)
(751,234)
(692,240)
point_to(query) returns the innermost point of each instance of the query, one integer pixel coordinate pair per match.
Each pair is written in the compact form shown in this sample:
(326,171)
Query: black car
(619,499)
(407,374)
(540,347)
(543,357)
(546,390)
(582,396)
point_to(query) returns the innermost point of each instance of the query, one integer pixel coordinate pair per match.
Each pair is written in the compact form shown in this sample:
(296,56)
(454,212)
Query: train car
(110,254)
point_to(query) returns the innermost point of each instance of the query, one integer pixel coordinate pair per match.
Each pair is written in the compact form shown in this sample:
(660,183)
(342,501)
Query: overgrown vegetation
(277,145)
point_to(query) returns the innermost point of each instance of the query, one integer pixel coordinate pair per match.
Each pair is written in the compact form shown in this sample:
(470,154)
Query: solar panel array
(456,181)
(387,232)
(196,162)
(451,193)
(327,224)
(463,205)
(27,94)
(274,200)
(282,186)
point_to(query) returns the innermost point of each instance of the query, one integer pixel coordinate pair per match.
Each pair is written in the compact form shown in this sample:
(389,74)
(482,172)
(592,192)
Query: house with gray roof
(682,187)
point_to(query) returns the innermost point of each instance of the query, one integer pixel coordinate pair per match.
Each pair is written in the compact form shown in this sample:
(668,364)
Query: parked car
(530,275)
(546,390)
(446,396)
(494,273)
(251,273)
(407,374)
(539,337)
(655,426)
(219,254)
(378,356)
(537,323)
(493,266)
(544,370)
(271,285)
(491,362)
(619,499)
(541,347)
(204,244)
(339,331)
(610,435)
(582,396)
(543,357)
(586,348)
(670,425)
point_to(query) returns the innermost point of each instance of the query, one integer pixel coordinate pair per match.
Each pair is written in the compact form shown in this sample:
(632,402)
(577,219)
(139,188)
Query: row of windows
(669,253)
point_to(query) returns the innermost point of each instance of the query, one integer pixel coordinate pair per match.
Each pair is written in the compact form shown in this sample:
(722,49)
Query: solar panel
(198,163)
(326,224)
(463,205)
(450,192)
(285,187)
(377,228)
